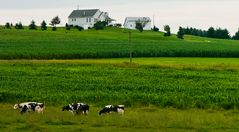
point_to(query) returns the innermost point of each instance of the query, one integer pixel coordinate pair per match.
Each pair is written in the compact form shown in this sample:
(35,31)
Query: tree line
(56,20)
(210,33)
(218,33)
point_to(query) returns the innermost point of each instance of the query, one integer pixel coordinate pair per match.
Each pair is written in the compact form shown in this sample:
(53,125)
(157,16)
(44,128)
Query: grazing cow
(110,108)
(29,106)
(77,108)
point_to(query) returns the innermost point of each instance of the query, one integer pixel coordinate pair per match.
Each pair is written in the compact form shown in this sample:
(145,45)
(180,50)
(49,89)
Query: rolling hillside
(108,43)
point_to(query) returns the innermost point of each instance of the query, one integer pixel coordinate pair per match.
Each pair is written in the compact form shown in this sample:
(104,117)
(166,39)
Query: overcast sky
(195,13)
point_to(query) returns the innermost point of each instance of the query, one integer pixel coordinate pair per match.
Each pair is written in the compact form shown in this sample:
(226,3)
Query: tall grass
(109,43)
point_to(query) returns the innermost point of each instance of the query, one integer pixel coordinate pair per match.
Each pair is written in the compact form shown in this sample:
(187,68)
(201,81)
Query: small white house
(87,18)
(130,22)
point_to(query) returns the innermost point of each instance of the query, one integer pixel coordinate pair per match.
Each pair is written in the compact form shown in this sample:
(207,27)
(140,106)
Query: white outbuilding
(130,22)
(87,18)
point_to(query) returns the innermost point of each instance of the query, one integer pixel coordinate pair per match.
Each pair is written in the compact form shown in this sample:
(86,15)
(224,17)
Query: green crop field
(108,43)
(191,83)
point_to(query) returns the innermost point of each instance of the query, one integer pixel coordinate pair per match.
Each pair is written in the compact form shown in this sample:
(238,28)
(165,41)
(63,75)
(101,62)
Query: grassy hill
(108,43)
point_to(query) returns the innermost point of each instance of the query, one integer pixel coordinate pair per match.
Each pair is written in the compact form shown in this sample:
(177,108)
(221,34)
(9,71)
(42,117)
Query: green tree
(222,34)
(156,29)
(68,27)
(167,30)
(180,34)
(79,28)
(19,26)
(32,25)
(100,25)
(141,23)
(43,25)
(211,32)
(194,31)
(56,20)
(139,26)
(7,25)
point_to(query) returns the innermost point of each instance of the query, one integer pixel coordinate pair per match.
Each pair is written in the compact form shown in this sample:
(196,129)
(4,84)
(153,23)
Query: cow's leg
(86,112)
(73,113)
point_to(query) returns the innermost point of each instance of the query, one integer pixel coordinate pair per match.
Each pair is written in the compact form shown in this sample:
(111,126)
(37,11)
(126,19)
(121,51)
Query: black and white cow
(30,106)
(110,108)
(77,108)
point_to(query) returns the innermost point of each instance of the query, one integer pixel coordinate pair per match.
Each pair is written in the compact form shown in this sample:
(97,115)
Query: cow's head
(104,110)
(67,108)
(100,112)
(16,106)
(63,108)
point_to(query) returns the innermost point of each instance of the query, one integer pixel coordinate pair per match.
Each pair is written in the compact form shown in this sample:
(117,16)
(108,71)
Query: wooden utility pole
(153,20)
(78,7)
(130,47)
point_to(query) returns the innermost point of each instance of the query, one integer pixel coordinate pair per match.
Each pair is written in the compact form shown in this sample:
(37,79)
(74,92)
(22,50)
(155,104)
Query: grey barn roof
(83,13)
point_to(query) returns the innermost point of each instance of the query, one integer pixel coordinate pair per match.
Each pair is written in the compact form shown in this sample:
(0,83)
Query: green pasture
(108,43)
(143,119)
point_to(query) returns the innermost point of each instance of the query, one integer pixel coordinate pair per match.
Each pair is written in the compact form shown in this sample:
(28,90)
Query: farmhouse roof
(137,18)
(134,19)
(83,13)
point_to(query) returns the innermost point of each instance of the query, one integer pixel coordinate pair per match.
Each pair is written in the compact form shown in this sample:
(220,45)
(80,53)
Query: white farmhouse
(87,18)
(130,22)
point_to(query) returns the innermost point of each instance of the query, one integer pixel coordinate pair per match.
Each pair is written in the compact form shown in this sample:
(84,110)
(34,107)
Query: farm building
(130,22)
(87,18)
